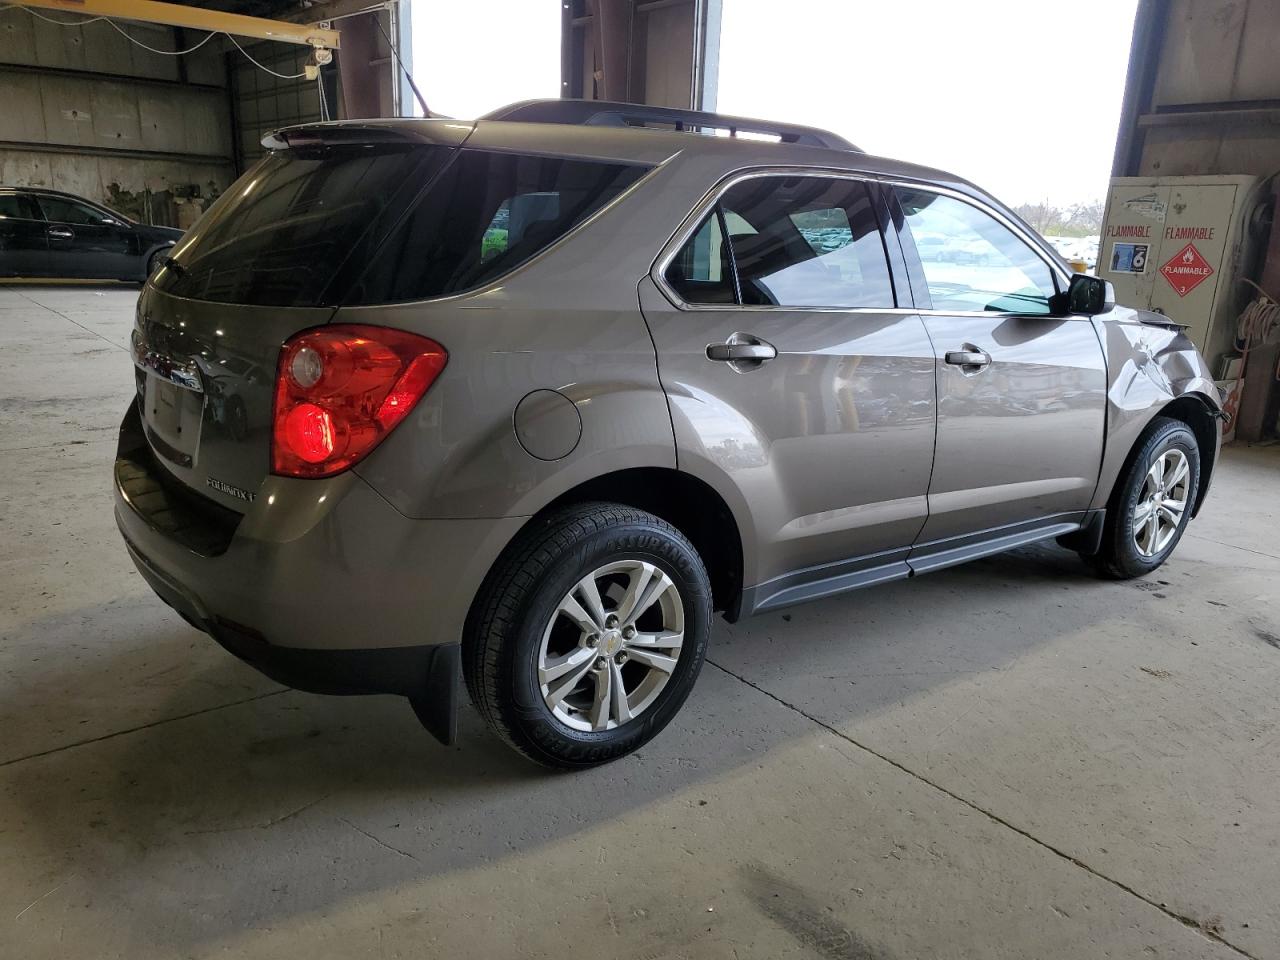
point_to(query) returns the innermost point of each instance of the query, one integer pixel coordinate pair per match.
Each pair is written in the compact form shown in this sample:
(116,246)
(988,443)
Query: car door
(1021,392)
(86,241)
(23,246)
(797,386)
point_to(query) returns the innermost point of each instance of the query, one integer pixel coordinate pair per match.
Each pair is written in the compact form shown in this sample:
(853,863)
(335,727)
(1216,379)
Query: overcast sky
(1020,96)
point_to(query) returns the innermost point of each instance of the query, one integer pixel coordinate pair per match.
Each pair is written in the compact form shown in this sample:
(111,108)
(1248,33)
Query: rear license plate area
(172,416)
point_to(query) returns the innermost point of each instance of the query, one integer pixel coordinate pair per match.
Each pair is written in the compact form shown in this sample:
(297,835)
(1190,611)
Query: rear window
(353,224)
(485,215)
(285,235)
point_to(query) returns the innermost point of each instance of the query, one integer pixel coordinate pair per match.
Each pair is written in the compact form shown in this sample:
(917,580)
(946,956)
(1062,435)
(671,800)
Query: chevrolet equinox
(527,399)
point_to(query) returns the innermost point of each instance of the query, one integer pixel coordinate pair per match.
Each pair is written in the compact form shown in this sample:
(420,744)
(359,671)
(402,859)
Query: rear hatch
(275,255)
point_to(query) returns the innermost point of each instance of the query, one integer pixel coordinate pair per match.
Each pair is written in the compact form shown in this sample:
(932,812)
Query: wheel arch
(1200,414)
(151,251)
(689,504)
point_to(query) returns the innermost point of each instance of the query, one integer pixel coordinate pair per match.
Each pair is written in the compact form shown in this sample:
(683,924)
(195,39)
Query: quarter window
(971,261)
(701,272)
(486,214)
(796,242)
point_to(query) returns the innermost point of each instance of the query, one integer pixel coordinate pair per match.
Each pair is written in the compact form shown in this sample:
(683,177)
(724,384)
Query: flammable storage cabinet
(1179,245)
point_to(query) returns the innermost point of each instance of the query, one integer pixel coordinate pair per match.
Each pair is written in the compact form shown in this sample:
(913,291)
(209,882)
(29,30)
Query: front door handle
(61,233)
(970,356)
(739,350)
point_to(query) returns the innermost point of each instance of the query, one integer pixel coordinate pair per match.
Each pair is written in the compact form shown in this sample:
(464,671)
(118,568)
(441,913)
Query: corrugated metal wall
(88,112)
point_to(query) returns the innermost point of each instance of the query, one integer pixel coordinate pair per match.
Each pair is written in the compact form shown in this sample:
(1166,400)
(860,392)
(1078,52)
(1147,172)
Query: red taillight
(341,389)
(308,433)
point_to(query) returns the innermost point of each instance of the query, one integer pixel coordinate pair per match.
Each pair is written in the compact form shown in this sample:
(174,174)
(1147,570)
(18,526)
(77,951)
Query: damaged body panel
(1151,365)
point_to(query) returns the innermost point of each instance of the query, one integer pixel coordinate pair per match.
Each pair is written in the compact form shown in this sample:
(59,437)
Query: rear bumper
(321,585)
(426,674)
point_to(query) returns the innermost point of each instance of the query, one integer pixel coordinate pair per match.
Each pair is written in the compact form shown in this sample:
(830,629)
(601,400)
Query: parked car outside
(46,233)
(1077,249)
(528,399)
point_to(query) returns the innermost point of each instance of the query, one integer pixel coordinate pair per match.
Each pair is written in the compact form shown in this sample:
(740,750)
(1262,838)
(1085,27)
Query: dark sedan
(44,233)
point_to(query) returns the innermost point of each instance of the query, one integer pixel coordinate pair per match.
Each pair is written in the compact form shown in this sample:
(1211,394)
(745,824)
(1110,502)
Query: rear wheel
(588,635)
(1152,503)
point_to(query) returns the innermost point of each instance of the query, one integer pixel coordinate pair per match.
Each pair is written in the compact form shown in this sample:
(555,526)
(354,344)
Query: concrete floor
(1009,759)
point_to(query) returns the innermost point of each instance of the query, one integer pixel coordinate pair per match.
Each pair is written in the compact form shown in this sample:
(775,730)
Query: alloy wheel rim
(1162,501)
(611,646)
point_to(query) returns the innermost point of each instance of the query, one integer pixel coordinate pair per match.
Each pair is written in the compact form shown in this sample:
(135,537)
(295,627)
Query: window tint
(485,215)
(17,206)
(700,272)
(972,261)
(807,242)
(284,233)
(68,211)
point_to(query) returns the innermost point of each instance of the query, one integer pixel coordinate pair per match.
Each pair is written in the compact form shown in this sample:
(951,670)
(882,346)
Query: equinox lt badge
(223,487)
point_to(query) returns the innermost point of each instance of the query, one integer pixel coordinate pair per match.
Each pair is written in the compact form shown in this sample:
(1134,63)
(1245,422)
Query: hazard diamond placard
(1186,270)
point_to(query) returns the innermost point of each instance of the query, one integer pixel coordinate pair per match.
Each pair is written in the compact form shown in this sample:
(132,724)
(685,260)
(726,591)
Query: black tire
(503,637)
(153,262)
(1120,557)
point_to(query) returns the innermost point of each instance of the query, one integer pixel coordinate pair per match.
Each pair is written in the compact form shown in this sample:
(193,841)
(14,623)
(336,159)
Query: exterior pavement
(1009,759)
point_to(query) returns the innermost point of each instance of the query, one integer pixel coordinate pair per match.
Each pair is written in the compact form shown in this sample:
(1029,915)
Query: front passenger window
(59,210)
(971,261)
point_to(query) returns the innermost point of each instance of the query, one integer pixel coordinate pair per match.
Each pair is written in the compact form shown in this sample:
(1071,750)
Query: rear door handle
(733,350)
(968,357)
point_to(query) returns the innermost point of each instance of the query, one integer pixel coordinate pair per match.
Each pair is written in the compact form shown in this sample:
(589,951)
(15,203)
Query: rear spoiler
(450,133)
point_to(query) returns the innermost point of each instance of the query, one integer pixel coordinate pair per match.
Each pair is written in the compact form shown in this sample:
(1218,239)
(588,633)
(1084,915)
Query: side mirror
(1085,295)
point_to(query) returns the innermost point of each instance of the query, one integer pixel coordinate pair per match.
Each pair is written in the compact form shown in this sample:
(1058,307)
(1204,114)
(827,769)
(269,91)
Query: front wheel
(588,635)
(1152,503)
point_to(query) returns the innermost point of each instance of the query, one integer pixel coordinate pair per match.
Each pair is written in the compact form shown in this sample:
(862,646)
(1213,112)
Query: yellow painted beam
(196,18)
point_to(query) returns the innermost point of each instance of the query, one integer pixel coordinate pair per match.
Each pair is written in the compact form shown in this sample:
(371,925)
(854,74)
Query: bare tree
(1086,218)
(1043,216)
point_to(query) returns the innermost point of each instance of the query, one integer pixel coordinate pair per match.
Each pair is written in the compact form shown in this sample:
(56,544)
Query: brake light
(341,389)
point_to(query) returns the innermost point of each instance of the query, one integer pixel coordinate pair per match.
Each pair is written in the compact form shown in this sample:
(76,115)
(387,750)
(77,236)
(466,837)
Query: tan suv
(527,399)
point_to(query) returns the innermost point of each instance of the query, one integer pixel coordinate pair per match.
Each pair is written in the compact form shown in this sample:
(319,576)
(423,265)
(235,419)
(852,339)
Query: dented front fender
(1151,363)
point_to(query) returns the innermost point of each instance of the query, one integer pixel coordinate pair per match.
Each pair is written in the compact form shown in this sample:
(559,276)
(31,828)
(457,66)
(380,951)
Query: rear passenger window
(16,207)
(796,242)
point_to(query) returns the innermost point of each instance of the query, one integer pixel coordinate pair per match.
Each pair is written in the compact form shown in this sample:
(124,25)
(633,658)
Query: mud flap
(436,707)
(1088,539)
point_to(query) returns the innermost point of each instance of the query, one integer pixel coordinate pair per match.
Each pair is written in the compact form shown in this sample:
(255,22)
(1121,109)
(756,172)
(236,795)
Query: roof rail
(613,114)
